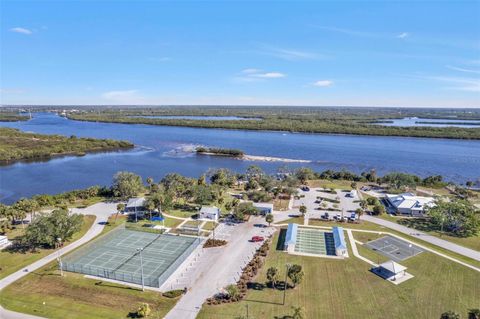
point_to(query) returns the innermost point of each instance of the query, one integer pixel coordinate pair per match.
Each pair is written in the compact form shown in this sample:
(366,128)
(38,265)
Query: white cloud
(463,69)
(256,75)
(403,35)
(21,30)
(323,83)
(123,97)
(289,54)
(269,75)
(458,83)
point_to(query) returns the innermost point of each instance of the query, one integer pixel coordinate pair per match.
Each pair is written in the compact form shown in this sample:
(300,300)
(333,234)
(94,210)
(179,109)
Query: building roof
(3,237)
(263,205)
(209,210)
(392,267)
(409,200)
(291,237)
(136,202)
(339,238)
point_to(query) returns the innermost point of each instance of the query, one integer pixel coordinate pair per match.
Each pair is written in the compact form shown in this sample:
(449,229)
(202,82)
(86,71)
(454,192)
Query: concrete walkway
(101,210)
(467,252)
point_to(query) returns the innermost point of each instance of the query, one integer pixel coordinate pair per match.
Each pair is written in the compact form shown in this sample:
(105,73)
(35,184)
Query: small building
(352,194)
(4,242)
(409,204)
(390,270)
(209,212)
(339,241)
(291,238)
(135,205)
(264,208)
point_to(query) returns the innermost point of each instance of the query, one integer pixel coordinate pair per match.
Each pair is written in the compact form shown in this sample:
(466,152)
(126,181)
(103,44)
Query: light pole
(58,256)
(141,267)
(287,267)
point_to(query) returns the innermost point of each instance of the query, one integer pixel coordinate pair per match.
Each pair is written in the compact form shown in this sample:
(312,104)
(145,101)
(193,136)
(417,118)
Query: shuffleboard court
(394,248)
(314,241)
(117,256)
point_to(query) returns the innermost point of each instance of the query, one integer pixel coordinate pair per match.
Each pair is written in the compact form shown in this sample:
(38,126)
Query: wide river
(162,149)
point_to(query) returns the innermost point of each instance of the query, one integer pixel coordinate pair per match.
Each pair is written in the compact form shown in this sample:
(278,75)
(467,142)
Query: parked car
(305,188)
(256,239)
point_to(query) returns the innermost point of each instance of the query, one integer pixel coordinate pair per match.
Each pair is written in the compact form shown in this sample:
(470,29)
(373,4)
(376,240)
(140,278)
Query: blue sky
(379,53)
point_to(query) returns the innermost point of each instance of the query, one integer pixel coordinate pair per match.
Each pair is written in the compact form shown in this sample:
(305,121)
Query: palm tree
(303,210)
(150,183)
(120,208)
(150,205)
(269,219)
(297,313)
(272,276)
(363,204)
(359,212)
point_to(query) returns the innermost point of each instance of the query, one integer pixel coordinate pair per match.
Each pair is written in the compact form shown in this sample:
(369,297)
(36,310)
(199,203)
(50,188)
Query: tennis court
(394,248)
(314,241)
(116,256)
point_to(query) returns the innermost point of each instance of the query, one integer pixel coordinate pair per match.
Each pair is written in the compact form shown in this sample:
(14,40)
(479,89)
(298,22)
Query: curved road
(101,210)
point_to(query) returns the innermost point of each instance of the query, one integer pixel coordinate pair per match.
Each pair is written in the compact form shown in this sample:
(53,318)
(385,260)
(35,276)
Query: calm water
(412,121)
(162,150)
(190,117)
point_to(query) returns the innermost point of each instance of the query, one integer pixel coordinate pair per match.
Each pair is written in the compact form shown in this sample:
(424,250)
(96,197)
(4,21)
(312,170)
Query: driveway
(101,210)
(423,236)
(220,267)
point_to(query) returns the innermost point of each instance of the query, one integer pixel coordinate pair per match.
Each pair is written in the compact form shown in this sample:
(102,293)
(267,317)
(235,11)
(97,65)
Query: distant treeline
(290,122)
(219,151)
(448,123)
(12,117)
(16,145)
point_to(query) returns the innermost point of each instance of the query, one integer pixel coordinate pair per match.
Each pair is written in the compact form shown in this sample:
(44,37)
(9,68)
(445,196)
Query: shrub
(173,293)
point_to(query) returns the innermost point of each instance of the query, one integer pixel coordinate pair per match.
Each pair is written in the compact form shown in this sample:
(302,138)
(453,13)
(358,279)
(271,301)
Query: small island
(219,151)
(16,145)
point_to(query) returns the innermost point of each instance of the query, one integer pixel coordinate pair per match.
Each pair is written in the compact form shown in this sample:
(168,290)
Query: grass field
(346,289)
(45,293)
(13,261)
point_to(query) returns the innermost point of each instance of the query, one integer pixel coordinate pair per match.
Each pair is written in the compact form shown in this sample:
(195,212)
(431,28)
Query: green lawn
(346,289)
(209,226)
(10,262)
(45,293)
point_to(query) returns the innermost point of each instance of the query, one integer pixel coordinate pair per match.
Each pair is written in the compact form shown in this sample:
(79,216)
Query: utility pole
(287,267)
(141,266)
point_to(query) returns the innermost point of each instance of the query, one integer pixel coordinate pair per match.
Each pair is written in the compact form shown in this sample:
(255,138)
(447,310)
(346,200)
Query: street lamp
(141,266)
(287,267)
(59,240)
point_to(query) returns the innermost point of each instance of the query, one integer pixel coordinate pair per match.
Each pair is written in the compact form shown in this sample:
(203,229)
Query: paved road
(223,268)
(425,237)
(100,210)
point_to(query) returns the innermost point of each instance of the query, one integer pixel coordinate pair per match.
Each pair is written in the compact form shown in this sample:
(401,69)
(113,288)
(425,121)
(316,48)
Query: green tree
(353,185)
(272,276)
(245,208)
(304,174)
(474,313)
(449,315)
(144,310)
(28,206)
(150,206)
(150,183)
(303,210)
(232,291)
(458,217)
(120,208)
(126,185)
(359,212)
(378,209)
(297,313)
(295,273)
(363,204)
(269,219)
(49,229)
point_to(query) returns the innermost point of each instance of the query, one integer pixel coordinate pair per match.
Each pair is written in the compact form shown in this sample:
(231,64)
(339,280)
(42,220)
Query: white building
(339,241)
(4,242)
(409,204)
(264,208)
(209,212)
(135,205)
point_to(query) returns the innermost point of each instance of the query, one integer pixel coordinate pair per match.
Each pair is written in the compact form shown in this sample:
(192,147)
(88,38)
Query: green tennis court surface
(314,241)
(115,256)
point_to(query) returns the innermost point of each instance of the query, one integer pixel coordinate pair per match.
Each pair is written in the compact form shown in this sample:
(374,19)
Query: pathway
(467,252)
(101,210)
